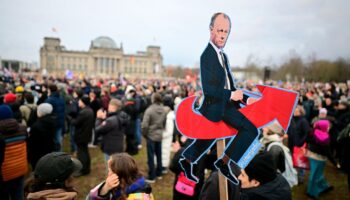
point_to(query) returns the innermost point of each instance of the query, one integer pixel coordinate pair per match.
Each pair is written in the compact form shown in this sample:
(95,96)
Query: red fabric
(299,158)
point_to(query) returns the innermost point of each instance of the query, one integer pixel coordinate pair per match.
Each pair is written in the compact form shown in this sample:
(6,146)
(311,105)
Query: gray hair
(213,18)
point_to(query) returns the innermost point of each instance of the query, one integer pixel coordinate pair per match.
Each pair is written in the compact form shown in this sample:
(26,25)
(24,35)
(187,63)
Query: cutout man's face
(220,31)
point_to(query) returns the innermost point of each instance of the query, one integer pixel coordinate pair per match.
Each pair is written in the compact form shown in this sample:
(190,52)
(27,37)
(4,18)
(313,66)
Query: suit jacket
(213,79)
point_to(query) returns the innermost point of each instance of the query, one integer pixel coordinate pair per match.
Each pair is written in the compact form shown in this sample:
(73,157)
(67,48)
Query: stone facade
(103,58)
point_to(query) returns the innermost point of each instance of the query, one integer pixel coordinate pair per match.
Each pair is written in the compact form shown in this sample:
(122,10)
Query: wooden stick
(220,146)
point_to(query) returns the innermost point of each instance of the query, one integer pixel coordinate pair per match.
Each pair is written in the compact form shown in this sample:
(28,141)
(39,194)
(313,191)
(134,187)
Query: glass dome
(104,42)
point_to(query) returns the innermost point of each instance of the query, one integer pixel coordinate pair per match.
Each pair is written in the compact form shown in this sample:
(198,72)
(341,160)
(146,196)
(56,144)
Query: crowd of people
(117,114)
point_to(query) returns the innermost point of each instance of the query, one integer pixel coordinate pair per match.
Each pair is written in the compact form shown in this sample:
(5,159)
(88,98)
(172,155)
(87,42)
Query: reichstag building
(104,58)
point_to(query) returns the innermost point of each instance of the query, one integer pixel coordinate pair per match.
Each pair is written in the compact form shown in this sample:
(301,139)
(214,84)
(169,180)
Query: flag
(54,30)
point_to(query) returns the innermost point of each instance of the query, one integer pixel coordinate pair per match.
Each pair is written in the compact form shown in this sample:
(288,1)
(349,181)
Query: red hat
(9,98)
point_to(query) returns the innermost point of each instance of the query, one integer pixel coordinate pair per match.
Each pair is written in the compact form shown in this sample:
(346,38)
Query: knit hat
(56,167)
(19,89)
(5,112)
(45,109)
(9,98)
(86,100)
(261,168)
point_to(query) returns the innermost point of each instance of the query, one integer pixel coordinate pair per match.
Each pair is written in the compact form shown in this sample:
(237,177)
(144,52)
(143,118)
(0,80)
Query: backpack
(290,174)
(32,116)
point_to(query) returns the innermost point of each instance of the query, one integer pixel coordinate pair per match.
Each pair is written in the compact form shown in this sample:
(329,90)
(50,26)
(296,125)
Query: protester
(84,124)
(14,165)
(272,141)
(111,126)
(58,105)
(152,128)
(28,110)
(168,131)
(73,111)
(41,139)
(259,180)
(53,177)
(10,99)
(124,181)
(318,152)
(297,133)
(133,111)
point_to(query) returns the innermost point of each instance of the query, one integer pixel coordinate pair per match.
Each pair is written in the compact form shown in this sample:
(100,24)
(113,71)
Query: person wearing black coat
(198,171)
(111,126)
(299,129)
(42,134)
(84,124)
(298,132)
(258,181)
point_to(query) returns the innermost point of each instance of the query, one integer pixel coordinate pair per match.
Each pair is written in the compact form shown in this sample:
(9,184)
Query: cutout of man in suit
(221,102)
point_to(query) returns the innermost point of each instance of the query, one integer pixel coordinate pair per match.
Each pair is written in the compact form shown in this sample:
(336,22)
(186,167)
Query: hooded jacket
(153,122)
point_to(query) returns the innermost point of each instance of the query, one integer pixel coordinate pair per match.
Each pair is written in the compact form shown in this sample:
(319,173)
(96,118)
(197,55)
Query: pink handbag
(184,185)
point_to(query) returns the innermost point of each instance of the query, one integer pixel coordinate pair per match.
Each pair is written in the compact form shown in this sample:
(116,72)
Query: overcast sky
(268,30)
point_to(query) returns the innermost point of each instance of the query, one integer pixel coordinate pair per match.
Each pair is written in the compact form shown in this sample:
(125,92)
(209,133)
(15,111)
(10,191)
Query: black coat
(277,189)
(84,124)
(298,131)
(41,138)
(112,131)
(213,82)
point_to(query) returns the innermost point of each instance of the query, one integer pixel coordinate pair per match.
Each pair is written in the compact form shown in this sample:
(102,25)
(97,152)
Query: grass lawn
(162,189)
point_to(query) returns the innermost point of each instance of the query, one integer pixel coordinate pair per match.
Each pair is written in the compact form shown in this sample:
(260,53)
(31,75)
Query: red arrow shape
(275,103)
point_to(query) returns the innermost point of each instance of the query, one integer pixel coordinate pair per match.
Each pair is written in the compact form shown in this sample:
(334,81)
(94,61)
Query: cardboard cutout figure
(220,116)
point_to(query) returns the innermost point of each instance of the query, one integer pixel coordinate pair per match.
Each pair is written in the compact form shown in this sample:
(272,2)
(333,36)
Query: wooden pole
(220,146)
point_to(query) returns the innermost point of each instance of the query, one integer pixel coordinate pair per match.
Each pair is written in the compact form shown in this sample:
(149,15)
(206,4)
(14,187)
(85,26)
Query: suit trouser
(237,146)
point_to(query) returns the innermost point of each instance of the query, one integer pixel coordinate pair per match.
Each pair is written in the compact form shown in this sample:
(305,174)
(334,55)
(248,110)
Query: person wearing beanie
(42,134)
(259,180)
(84,124)
(58,106)
(5,112)
(53,177)
(11,100)
(19,89)
(14,165)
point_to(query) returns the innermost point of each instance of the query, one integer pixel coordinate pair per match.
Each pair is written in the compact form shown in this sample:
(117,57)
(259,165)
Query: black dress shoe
(230,170)
(187,167)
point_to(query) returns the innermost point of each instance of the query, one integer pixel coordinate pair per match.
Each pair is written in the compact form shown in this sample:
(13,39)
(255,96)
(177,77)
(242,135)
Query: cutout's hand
(237,95)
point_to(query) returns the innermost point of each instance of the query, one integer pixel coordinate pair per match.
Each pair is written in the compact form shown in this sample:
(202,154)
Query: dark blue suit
(218,106)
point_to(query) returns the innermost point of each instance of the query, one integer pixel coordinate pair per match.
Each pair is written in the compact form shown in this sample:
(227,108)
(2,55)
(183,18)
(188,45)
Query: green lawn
(162,189)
